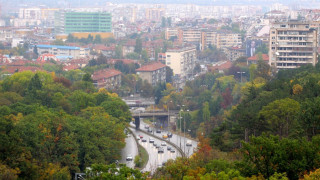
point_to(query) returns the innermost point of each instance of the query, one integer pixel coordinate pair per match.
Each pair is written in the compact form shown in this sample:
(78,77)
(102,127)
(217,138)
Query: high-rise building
(205,37)
(292,44)
(70,21)
(182,61)
(155,13)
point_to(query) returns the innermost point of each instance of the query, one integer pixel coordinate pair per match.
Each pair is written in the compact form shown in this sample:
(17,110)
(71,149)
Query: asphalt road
(155,159)
(130,149)
(176,139)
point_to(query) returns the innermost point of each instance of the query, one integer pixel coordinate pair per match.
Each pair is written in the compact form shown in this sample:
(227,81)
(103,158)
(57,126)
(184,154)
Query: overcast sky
(12,4)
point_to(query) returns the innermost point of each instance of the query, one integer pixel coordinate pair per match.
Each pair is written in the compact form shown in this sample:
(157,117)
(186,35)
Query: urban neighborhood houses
(155,40)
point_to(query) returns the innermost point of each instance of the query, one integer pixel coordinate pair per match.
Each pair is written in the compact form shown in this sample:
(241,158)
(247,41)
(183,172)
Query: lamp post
(153,113)
(181,109)
(241,72)
(168,115)
(184,130)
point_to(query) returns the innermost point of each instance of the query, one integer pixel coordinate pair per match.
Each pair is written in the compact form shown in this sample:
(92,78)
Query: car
(158,131)
(172,150)
(163,144)
(146,126)
(159,165)
(155,144)
(168,148)
(129,158)
(160,150)
(164,136)
(151,140)
(169,135)
(189,143)
(144,140)
(149,130)
(138,138)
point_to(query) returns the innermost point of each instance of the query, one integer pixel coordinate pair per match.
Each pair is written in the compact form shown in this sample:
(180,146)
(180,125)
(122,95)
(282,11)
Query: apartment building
(155,13)
(62,52)
(292,44)
(154,73)
(71,21)
(107,78)
(205,37)
(182,61)
(233,53)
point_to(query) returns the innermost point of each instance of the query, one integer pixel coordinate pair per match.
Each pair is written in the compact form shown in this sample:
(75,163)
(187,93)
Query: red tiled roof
(105,73)
(222,66)
(80,61)
(71,67)
(125,61)
(151,67)
(265,57)
(102,47)
(13,69)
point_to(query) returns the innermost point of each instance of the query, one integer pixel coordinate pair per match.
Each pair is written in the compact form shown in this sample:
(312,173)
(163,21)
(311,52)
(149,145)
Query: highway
(155,159)
(130,149)
(180,141)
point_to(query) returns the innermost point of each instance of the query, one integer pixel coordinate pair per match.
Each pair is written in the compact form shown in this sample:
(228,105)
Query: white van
(189,143)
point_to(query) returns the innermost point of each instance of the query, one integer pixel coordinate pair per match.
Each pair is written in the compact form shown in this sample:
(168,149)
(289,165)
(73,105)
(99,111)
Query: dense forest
(264,128)
(51,128)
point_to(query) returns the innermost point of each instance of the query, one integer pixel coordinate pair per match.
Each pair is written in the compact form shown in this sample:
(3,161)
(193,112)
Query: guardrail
(168,142)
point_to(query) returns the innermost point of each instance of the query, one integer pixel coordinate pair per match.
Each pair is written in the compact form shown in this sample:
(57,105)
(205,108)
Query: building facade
(154,73)
(205,37)
(107,78)
(292,44)
(62,52)
(182,61)
(233,53)
(70,21)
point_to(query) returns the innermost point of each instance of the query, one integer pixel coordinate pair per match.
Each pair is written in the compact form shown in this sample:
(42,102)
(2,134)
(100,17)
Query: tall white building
(182,61)
(292,44)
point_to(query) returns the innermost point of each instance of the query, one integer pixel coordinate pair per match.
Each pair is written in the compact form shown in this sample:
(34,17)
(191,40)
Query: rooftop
(265,57)
(151,67)
(58,47)
(104,74)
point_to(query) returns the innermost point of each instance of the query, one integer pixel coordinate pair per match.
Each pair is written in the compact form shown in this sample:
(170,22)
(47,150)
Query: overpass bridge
(161,116)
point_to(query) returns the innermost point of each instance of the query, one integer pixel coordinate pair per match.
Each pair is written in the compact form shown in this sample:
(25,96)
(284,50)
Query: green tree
(101,171)
(97,39)
(280,115)
(58,42)
(309,116)
(35,51)
(138,46)
(205,112)
(263,70)
(87,78)
(169,74)
(119,52)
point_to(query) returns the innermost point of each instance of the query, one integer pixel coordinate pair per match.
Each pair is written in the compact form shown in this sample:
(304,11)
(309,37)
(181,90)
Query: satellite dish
(277,53)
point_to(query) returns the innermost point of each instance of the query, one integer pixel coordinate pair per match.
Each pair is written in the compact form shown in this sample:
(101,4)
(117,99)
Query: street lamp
(241,72)
(181,109)
(184,130)
(153,113)
(168,117)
